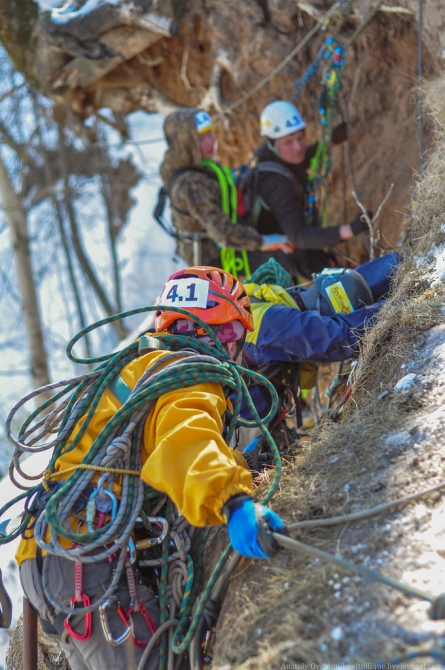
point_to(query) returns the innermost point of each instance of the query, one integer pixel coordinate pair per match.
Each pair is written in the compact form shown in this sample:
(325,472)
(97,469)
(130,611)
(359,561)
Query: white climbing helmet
(280,118)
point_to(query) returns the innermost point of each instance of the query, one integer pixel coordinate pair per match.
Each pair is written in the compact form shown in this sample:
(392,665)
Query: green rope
(271,272)
(229,195)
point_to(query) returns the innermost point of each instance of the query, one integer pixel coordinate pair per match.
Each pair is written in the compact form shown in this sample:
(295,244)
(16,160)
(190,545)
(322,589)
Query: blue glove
(277,242)
(250,525)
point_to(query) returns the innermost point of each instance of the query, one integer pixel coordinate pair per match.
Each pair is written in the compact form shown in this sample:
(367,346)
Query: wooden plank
(127,41)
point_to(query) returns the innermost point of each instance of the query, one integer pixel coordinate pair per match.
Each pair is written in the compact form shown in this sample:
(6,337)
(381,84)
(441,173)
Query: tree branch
(81,255)
(374,234)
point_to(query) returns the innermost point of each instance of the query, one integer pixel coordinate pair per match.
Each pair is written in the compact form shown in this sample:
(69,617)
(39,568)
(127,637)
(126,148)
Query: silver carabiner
(152,541)
(114,641)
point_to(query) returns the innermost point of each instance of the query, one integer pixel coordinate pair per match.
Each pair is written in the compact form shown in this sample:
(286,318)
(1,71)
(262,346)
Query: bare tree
(17,220)
(49,179)
(77,242)
(44,170)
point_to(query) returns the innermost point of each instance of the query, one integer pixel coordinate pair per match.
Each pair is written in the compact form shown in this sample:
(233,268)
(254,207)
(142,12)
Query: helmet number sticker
(185,293)
(293,122)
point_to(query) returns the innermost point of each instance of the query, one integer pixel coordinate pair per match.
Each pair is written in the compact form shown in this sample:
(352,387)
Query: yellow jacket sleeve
(186,456)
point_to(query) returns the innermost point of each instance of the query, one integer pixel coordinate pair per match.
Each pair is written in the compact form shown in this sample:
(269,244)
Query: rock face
(155,56)
(298,610)
(51,656)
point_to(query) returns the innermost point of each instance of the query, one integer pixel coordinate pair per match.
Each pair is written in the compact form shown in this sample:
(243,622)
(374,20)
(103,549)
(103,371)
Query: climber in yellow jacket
(184,455)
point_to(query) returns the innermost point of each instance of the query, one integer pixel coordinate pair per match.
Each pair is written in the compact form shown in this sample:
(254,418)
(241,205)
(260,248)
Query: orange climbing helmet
(212,294)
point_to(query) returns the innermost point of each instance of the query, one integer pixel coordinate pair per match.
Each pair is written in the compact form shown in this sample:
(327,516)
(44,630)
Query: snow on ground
(48,4)
(439,270)
(409,545)
(434,260)
(65,13)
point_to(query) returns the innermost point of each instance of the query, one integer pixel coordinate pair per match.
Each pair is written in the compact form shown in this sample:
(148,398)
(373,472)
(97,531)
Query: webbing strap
(229,195)
(120,389)
(230,262)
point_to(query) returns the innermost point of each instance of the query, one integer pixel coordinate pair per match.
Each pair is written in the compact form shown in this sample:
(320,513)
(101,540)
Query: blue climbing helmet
(337,291)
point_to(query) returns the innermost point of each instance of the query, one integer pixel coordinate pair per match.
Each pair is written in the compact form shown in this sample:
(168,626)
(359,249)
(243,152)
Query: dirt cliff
(156,56)
(300,610)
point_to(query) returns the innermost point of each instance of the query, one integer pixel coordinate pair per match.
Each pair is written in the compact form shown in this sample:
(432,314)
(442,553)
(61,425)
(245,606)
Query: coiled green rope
(271,272)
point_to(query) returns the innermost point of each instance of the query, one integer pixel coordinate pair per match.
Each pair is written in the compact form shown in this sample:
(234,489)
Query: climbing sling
(230,262)
(333,55)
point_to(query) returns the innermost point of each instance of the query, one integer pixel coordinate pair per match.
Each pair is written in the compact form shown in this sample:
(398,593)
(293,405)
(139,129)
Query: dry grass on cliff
(280,612)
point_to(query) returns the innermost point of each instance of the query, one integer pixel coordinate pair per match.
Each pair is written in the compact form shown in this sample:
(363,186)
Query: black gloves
(359,225)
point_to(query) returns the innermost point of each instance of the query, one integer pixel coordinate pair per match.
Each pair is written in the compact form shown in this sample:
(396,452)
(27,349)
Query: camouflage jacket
(195,196)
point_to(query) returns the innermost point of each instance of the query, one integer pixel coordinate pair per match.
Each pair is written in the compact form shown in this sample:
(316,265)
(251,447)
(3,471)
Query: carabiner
(128,620)
(151,541)
(115,642)
(88,619)
(132,551)
(91,507)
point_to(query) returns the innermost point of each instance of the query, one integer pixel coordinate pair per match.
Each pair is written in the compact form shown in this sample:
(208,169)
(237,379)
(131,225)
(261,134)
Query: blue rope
(328,48)
(310,72)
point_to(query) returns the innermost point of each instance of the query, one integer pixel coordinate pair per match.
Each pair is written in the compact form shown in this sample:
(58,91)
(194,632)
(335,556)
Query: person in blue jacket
(296,328)
(322,324)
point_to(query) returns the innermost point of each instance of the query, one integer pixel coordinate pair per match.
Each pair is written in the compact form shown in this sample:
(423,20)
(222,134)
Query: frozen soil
(298,609)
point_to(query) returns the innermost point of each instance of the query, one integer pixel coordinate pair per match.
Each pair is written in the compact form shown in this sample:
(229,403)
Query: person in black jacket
(285,207)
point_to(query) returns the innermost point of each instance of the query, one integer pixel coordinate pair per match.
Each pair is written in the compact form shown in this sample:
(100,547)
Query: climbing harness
(232,261)
(87,491)
(195,238)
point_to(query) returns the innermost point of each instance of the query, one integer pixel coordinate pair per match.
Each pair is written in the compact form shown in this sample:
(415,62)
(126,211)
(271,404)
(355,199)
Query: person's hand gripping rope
(251,526)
